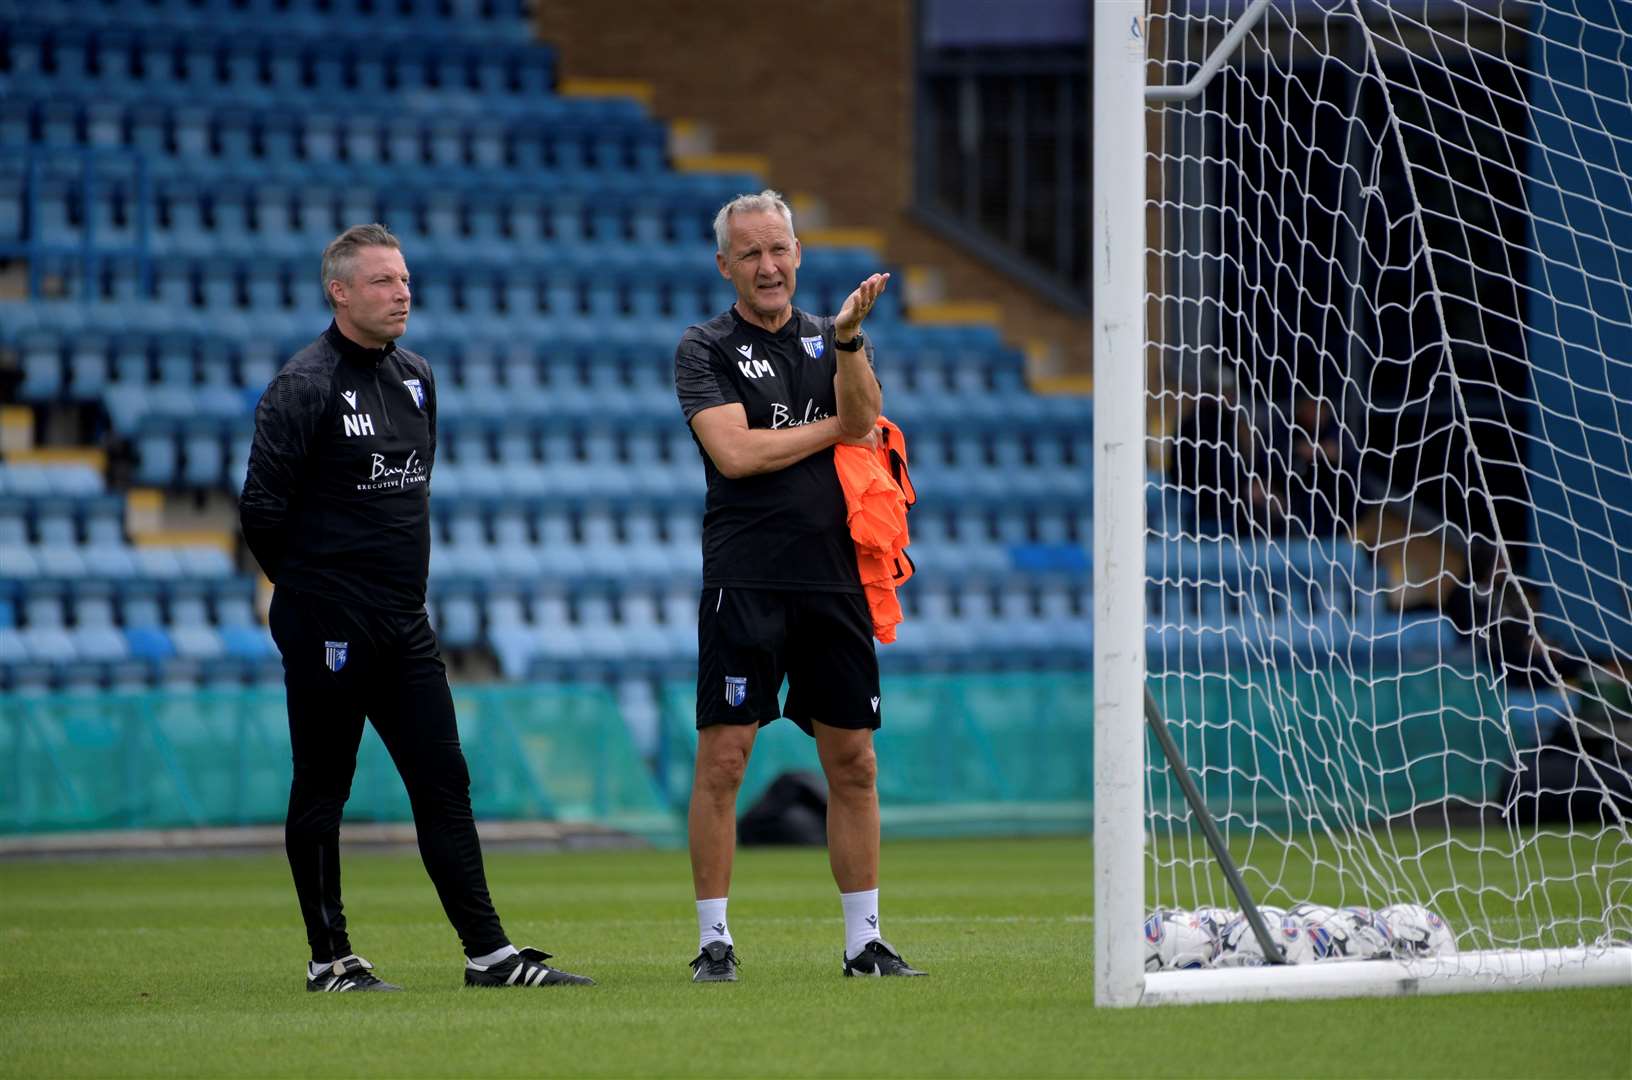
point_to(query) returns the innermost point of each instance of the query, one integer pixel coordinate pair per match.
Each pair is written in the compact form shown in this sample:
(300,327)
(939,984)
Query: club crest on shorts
(813,346)
(334,654)
(417,390)
(736,690)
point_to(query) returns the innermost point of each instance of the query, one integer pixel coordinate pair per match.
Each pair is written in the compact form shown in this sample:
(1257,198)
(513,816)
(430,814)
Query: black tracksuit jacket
(336,502)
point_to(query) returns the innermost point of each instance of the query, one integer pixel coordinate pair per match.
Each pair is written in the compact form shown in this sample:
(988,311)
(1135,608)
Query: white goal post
(1362,302)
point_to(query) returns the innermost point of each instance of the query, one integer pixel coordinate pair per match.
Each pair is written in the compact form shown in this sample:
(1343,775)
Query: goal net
(1388,541)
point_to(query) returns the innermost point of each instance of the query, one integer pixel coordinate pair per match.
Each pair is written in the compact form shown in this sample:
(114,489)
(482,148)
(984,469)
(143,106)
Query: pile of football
(1307,934)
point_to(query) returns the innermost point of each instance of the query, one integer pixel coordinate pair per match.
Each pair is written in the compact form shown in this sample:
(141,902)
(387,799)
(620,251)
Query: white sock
(314,969)
(711,925)
(482,963)
(860,921)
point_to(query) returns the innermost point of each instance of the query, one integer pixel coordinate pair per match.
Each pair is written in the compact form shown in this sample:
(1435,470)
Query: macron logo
(750,367)
(351,398)
(875,704)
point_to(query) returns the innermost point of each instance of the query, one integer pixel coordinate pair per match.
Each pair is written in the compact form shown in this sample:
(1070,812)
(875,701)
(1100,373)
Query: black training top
(783,529)
(337,500)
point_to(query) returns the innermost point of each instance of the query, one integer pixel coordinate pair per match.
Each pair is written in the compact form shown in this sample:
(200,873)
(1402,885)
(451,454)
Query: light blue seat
(202,452)
(66,563)
(514,560)
(248,642)
(159,563)
(13,522)
(187,604)
(678,608)
(102,644)
(138,601)
(45,603)
(643,632)
(54,522)
(234,603)
(110,561)
(515,646)
(43,369)
(13,647)
(93,603)
(158,462)
(50,644)
(196,642)
(206,562)
(459,622)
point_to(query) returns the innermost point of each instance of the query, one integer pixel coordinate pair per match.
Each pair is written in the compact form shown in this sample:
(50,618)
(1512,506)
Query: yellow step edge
(178,538)
(95,457)
(758,164)
(954,311)
(16,416)
(842,237)
(639,89)
(145,500)
(1064,384)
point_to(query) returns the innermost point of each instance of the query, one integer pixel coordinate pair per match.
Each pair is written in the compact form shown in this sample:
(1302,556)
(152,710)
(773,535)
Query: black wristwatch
(848,346)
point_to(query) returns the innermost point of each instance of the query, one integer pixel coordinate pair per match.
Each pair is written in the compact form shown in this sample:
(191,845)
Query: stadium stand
(169,171)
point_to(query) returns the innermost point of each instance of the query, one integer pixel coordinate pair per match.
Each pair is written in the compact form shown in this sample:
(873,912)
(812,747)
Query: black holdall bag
(792,811)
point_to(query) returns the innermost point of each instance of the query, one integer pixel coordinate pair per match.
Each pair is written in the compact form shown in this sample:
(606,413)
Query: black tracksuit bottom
(342,663)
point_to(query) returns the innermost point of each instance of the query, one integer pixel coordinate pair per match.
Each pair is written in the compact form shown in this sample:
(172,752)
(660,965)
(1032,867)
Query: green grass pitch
(192,967)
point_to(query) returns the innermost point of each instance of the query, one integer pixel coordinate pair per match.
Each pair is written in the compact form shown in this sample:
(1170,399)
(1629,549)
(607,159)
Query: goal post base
(1538,969)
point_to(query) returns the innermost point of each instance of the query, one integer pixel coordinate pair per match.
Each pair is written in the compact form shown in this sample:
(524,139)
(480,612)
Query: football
(1178,940)
(1322,935)
(1418,931)
(1216,919)
(1369,936)
(1240,947)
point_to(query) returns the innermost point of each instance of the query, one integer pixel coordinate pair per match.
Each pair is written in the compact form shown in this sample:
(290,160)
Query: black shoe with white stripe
(526,968)
(717,962)
(878,958)
(345,975)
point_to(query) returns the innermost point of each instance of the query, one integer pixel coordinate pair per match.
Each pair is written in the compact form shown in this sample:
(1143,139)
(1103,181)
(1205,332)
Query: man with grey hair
(336,510)
(768,391)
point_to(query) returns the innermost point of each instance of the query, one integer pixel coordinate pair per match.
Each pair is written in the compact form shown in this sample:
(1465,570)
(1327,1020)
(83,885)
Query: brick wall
(823,90)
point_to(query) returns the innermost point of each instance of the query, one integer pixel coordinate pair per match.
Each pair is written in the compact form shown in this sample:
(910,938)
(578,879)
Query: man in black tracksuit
(336,509)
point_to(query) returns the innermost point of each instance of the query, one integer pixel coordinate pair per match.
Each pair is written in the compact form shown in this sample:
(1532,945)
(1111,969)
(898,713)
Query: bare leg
(722,758)
(852,805)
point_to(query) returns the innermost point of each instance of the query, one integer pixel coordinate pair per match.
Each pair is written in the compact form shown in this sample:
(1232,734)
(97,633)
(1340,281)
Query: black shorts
(748,640)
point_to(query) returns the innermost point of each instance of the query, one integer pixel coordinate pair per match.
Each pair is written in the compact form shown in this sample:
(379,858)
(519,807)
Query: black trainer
(878,958)
(717,962)
(526,968)
(344,975)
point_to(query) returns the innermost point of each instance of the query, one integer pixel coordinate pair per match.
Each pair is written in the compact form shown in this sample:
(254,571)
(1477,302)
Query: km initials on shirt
(359,425)
(751,368)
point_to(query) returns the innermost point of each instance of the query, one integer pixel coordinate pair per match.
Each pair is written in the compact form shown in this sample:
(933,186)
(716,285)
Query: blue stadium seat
(49,645)
(45,603)
(13,522)
(252,643)
(13,647)
(196,642)
(109,561)
(139,604)
(102,644)
(149,643)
